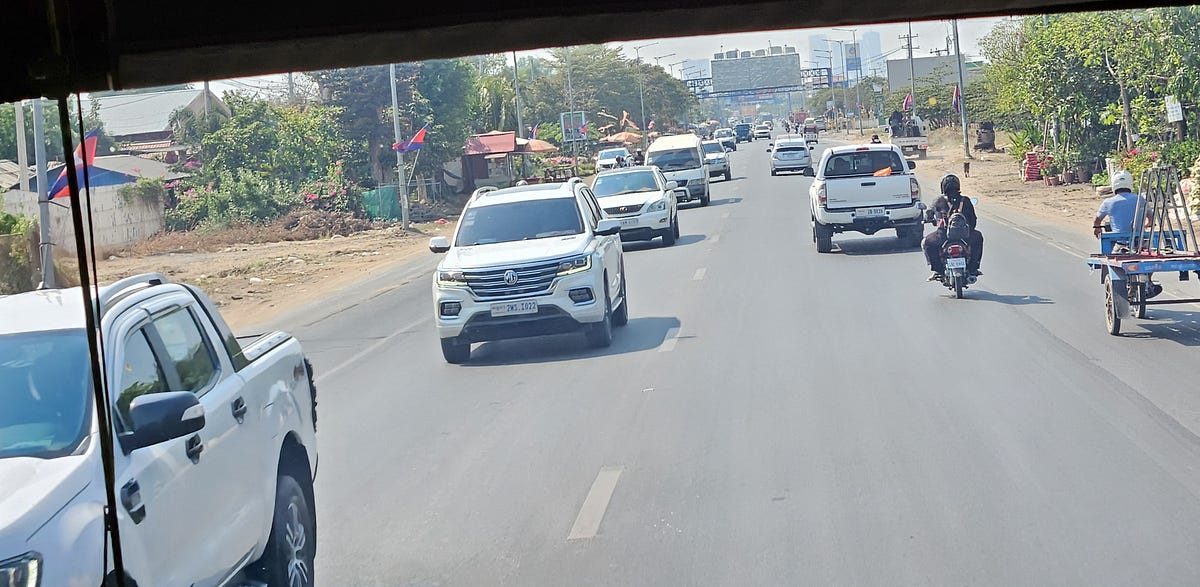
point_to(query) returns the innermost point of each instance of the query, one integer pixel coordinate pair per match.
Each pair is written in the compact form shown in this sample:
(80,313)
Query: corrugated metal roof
(147,112)
(137,167)
(10,174)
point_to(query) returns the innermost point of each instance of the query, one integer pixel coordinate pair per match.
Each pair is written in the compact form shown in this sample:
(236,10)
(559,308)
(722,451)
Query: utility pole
(402,185)
(520,124)
(571,117)
(39,152)
(912,71)
(857,75)
(207,126)
(637,51)
(291,89)
(962,89)
(22,149)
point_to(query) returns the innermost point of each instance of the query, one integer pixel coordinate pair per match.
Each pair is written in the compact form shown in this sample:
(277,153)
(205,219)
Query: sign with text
(853,59)
(1174,110)
(573,126)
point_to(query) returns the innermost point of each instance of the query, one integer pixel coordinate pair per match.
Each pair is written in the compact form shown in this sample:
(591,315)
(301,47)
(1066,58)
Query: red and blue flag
(908,102)
(85,156)
(956,101)
(412,144)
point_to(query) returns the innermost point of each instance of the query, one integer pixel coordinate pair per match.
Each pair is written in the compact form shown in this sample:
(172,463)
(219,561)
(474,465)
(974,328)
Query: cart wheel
(1137,294)
(1110,309)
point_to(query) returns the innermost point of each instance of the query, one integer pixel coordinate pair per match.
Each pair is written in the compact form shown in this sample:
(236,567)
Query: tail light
(914,188)
(821,196)
(954,250)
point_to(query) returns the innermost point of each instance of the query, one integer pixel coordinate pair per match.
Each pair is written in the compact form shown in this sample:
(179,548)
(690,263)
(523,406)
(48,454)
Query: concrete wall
(117,224)
(898,73)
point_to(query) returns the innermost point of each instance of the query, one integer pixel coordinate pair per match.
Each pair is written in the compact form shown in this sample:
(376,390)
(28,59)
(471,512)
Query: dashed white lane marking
(587,523)
(699,274)
(669,341)
(1067,250)
(714,239)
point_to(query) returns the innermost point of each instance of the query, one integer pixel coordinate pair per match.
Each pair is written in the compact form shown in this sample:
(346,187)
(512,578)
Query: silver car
(717,156)
(791,155)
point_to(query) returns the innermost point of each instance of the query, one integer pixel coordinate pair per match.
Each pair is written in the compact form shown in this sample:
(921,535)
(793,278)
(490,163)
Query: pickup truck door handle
(239,410)
(131,498)
(868,183)
(194,448)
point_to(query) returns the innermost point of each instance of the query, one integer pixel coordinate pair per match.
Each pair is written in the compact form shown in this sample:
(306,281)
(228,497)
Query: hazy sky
(930,34)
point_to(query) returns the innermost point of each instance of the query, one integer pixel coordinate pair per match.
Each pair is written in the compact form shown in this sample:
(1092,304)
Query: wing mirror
(608,227)
(159,417)
(912,165)
(439,244)
(671,185)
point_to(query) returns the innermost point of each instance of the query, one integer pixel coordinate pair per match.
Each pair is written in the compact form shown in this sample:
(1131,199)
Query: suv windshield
(518,221)
(44,382)
(674,159)
(613,153)
(625,183)
(862,163)
(725,132)
(713,148)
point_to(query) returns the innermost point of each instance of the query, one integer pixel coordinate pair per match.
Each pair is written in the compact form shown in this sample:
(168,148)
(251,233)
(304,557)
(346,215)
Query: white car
(790,153)
(613,158)
(681,160)
(865,188)
(717,157)
(529,261)
(214,438)
(762,131)
(642,200)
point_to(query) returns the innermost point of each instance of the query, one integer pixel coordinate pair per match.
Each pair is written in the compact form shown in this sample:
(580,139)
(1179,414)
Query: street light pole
(857,76)
(637,51)
(962,89)
(402,184)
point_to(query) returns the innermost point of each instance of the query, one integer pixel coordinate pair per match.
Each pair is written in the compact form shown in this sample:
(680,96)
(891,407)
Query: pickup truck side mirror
(608,227)
(439,244)
(912,165)
(159,417)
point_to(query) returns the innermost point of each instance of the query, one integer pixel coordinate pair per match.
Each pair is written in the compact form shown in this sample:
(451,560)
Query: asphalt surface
(769,416)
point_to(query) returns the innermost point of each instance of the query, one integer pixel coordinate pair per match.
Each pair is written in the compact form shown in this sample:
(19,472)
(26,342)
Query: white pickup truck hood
(516,252)
(32,491)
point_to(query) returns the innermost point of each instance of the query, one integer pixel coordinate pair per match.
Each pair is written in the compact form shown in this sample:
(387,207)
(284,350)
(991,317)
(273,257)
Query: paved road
(770,416)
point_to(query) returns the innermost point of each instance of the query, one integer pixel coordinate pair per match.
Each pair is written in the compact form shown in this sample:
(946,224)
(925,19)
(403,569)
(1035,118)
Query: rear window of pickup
(859,163)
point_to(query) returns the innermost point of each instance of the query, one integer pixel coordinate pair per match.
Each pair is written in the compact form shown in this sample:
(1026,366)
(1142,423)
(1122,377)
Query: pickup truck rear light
(914,188)
(822,198)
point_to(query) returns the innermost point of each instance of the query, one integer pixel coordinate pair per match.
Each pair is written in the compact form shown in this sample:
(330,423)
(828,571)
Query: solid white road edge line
(587,523)
(363,353)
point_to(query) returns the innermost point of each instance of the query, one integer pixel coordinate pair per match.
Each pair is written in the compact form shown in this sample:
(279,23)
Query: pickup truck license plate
(868,212)
(515,308)
(956,263)
(628,222)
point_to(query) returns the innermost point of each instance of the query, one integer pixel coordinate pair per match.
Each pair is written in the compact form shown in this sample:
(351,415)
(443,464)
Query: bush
(1180,155)
(332,193)
(147,189)
(18,269)
(228,199)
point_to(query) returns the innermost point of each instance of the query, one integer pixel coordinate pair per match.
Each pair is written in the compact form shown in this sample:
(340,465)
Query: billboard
(853,57)
(752,73)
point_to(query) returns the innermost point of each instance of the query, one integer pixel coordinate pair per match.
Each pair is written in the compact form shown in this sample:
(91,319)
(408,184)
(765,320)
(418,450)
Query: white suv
(529,261)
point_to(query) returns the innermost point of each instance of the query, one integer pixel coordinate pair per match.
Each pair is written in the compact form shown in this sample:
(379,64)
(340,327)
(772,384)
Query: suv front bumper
(557,312)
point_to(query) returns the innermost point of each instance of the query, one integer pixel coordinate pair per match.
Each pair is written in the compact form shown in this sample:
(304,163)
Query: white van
(681,160)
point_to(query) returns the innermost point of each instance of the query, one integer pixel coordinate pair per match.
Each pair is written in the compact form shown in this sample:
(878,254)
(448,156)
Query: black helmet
(951,185)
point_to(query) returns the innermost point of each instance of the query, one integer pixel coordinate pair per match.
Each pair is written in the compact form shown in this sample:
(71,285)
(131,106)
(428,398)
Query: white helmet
(1121,180)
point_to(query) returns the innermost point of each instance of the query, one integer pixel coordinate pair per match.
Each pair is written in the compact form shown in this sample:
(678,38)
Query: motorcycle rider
(951,201)
(1120,210)
(875,140)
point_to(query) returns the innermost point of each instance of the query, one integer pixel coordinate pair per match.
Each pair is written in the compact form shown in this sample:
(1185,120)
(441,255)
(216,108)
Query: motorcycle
(956,251)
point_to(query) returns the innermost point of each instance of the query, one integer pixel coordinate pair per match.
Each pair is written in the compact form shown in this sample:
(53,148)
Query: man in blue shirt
(1120,210)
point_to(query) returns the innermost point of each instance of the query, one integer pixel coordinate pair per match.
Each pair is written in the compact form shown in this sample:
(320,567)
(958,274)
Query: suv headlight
(22,571)
(575,265)
(451,278)
(657,206)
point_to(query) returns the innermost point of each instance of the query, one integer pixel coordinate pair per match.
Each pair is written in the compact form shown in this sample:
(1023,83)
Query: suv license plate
(867,212)
(629,222)
(515,308)
(956,263)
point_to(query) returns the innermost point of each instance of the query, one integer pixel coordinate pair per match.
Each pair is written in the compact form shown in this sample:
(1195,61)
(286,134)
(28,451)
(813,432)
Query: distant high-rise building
(872,51)
(817,43)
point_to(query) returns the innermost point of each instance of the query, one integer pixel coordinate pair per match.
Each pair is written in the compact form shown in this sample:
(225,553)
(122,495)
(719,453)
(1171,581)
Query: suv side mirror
(159,417)
(671,185)
(608,227)
(439,244)
(912,165)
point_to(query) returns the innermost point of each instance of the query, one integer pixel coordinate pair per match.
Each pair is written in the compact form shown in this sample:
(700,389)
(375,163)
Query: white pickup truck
(912,137)
(865,188)
(214,443)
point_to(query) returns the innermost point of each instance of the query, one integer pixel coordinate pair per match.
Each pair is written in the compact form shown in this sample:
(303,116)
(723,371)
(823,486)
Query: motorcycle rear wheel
(958,286)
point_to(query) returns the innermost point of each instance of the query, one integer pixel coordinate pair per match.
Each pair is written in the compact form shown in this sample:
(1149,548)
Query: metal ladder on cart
(1163,240)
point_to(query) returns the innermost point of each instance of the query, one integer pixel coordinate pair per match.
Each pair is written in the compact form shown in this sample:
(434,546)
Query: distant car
(642,200)
(819,123)
(745,132)
(762,131)
(717,158)
(791,153)
(727,137)
(613,158)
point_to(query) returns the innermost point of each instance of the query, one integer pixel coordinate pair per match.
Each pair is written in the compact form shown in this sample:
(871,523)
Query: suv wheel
(727,176)
(292,545)
(823,236)
(621,316)
(456,352)
(705,198)
(600,334)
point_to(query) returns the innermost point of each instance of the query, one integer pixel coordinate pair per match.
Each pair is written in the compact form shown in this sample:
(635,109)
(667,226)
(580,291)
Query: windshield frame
(613,153)
(462,224)
(652,156)
(80,438)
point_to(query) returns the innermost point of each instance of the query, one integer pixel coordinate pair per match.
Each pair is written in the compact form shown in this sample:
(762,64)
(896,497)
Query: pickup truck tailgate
(866,179)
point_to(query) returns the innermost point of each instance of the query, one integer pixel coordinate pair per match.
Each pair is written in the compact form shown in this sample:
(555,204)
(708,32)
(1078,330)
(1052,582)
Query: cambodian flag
(956,101)
(583,130)
(85,156)
(533,133)
(412,144)
(908,102)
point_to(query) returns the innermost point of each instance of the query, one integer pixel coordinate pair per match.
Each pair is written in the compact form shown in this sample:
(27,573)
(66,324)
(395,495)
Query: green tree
(443,98)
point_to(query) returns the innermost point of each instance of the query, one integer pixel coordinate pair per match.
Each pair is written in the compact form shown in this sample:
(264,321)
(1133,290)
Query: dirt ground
(255,281)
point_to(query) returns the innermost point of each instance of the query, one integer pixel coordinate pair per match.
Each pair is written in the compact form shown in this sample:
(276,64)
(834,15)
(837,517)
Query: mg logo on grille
(510,277)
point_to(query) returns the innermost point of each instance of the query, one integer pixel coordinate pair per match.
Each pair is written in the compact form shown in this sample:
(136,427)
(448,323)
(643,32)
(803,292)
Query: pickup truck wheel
(823,236)
(456,352)
(773,172)
(704,200)
(600,334)
(727,176)
(292,545)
